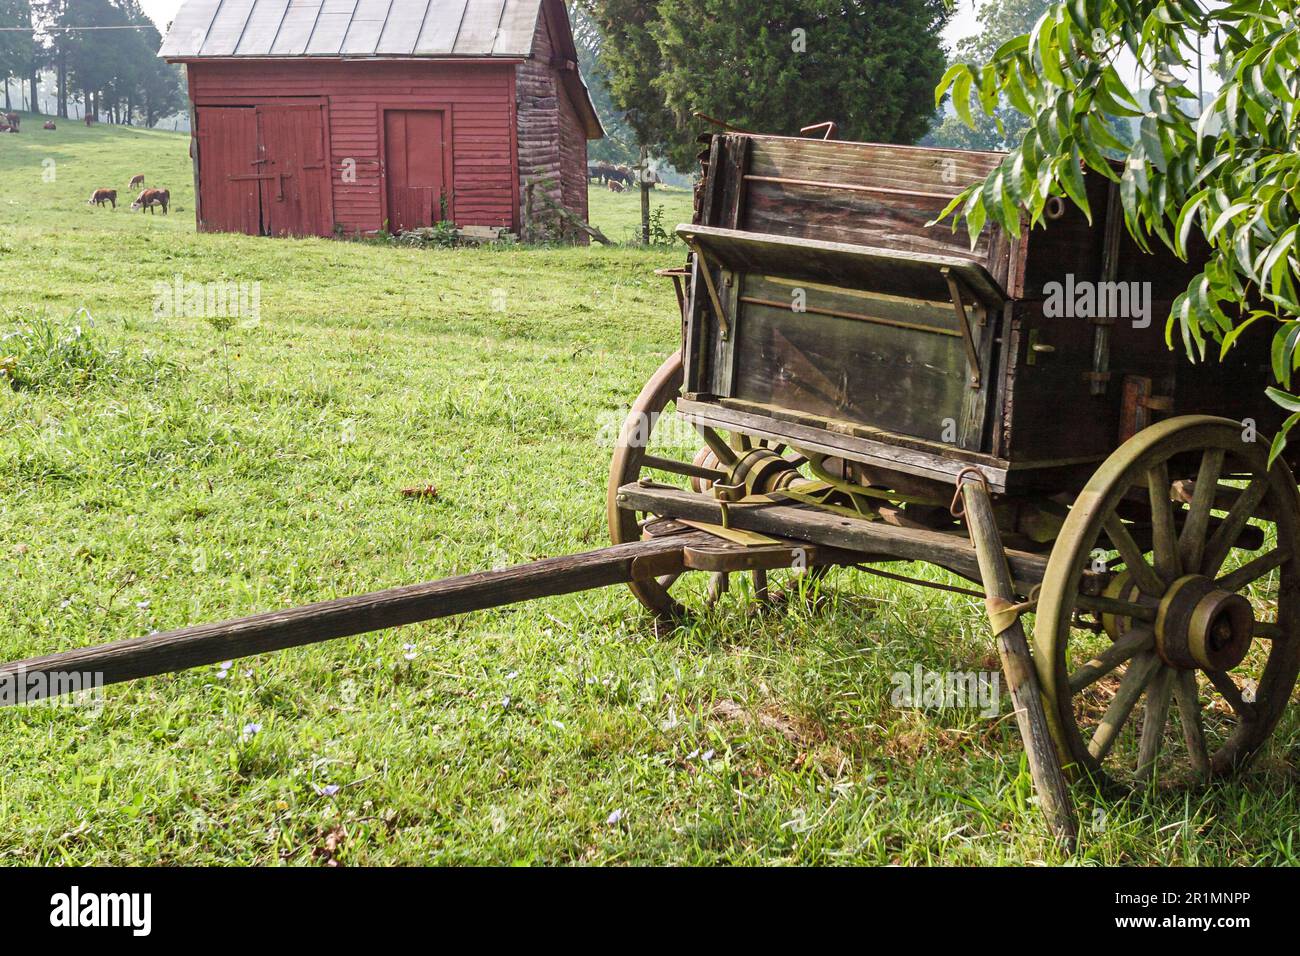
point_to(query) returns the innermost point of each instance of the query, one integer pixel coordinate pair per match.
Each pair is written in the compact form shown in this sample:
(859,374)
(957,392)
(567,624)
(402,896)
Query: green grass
(618,215)
(152,476)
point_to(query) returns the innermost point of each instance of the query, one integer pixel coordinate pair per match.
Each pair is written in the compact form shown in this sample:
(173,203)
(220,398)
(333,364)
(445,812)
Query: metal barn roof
(352,28)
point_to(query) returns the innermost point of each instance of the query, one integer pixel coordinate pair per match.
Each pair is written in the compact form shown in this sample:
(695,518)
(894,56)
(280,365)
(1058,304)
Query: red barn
(315,117)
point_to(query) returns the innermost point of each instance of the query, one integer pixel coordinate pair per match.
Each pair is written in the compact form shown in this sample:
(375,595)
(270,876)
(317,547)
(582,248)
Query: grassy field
(156,471)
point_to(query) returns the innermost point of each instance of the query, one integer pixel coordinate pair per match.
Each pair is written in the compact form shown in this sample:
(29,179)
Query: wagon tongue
(94,667)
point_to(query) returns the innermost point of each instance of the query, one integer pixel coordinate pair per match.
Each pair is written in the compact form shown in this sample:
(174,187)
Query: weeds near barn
(561,732)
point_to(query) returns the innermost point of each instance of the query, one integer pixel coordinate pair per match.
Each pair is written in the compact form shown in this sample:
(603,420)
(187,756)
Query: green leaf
(1286,400)
(954,71)
(1284,350)
(961,91)
(1186,219)
(1071,178)
(1280,440)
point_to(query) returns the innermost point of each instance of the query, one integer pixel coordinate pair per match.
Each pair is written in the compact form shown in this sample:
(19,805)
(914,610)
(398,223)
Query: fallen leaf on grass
(328,851)
(427,492)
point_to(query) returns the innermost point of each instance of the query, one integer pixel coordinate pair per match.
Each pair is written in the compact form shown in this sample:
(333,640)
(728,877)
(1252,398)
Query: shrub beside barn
(318,117)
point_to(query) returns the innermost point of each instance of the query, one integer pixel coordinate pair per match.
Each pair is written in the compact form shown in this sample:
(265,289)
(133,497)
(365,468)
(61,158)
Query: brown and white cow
(136,180)
(14,120)
(102,196)
(153,197)
(49,124)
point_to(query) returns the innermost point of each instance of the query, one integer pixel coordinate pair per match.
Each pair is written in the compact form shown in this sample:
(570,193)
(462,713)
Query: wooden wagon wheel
(636,458)
(1192,646)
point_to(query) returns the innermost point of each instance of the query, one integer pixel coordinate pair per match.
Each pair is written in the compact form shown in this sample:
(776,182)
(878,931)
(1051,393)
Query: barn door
(414,178)
(228,154)
(294,178)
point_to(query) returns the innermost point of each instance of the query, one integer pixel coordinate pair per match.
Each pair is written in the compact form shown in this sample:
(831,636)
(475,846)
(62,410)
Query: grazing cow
(49,124)
(600,172)
(136,180)
(615,187)
(153,197)
(102,196)
(624,175)
(14,120)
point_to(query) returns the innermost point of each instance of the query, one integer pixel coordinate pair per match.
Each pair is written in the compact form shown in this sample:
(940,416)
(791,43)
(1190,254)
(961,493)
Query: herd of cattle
(617,178)
(148,198)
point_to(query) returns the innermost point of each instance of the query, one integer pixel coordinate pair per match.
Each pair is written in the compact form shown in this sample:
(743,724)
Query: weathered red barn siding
(479,96)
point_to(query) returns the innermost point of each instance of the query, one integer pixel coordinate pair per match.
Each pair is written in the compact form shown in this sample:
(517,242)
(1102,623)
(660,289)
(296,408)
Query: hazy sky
(963,24)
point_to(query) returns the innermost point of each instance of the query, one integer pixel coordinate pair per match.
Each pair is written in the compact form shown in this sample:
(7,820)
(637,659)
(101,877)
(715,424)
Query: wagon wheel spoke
(1134,642)
(719,585)
(1192,543)
(1140,672)
(1228,689)
(718,445)
(1188,696)
(1144,576)
(1165,535)
(683,468)
(1216,552)
(1154,721)
(1252,571)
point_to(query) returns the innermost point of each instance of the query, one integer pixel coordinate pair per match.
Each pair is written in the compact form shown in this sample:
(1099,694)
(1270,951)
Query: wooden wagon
(848,363)
(864,388)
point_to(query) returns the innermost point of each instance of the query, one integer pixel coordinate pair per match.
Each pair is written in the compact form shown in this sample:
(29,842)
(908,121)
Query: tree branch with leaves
(1229,171)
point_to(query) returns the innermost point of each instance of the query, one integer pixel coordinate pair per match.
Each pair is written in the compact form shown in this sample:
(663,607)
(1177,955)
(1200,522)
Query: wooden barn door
(228,184)
(414,177)
(294,178)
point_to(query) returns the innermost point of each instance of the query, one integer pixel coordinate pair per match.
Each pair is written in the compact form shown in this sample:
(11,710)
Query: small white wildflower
(615,818)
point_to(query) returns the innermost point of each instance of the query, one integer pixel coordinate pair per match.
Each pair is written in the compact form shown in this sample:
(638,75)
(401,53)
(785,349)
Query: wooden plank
(951,550)
(879,270)
(1020,670)
(845,439)
(939,171)
(317,623)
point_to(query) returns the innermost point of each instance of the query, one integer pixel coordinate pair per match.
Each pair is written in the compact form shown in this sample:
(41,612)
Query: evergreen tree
(869,65)
(17,45)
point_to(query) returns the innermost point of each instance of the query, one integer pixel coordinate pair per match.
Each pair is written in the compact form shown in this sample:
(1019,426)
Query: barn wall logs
(549,157)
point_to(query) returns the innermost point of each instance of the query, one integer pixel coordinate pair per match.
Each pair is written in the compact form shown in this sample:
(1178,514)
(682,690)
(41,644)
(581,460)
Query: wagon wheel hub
(1201,626)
